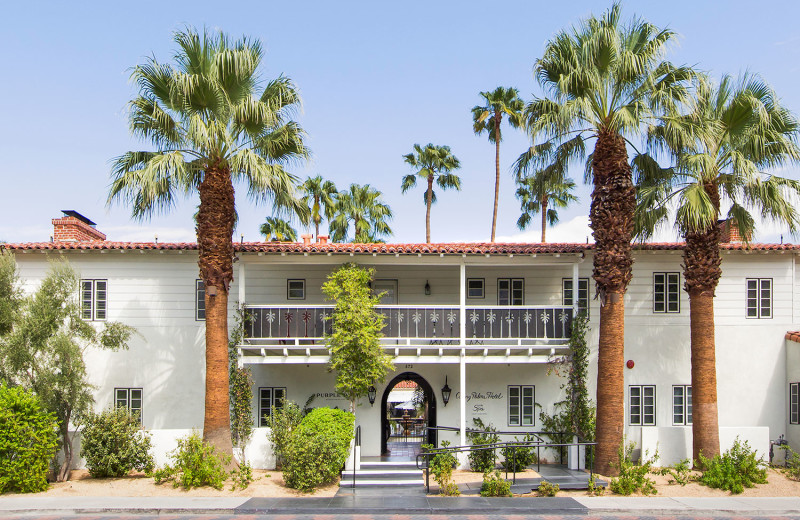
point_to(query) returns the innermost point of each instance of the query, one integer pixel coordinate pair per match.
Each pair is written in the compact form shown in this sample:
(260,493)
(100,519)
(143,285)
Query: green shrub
(520,457)
(242,477)
(792,468)
(441,466)
(194,464)
(482,460)
(495,486)
(113,444)
(28,441)
(318,448)
(680,473)
(734,470)
(282,423)
(633,477)
(547,489)
(592,488)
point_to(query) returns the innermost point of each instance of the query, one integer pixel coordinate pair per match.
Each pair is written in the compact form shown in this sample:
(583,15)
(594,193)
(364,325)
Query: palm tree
(720,150)
(487,118)
(605,80)
(363,206)
(209,128)
(319,195)
(432,163)
(278,230)
(543,193)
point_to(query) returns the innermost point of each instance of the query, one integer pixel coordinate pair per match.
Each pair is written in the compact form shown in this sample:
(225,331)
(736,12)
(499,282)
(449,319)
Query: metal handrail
(356,443)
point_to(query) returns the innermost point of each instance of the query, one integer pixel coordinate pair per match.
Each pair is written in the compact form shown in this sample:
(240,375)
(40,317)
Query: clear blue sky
(376,77)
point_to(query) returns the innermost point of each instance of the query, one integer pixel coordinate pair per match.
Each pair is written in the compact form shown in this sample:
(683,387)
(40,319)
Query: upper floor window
(475,288)
(296,289)
(269,400)
(567,294)
(200,300)
(642,405)
(759,297)
(94,294)
(666,292)
(682,405)
(521,405)
(794,403)
(510,291)
(130,398)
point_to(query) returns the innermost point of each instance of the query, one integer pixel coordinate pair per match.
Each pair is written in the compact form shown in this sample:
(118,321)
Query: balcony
(295,334)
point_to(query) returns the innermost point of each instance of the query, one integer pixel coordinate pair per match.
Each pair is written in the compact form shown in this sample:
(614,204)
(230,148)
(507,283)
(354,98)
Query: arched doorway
(407,419)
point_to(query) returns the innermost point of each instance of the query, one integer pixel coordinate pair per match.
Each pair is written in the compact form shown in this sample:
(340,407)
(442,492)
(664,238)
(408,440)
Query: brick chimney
(306,239)
(729,232)
(74,227)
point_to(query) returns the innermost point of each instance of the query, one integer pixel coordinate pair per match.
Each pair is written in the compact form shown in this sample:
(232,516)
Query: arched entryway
(408,419)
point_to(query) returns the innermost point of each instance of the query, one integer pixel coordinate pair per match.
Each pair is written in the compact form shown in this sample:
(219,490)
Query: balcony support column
(462,408)
(575,289)
(241,275)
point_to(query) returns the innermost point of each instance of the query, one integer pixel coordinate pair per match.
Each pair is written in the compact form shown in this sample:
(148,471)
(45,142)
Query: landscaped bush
(680,473)
(318,448)
(441,465)
(519,457)
(633,477)
(28,441)
(482,460)
(494,485)
(734,470)
(113,444)
(792,468)
(547,489)
(194,464)
(282,423)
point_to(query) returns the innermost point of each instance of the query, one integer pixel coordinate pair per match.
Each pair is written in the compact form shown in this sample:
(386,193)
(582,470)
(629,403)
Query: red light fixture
(630,363)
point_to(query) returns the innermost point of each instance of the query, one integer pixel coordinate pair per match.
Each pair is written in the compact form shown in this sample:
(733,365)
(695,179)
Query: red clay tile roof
(471,248)
(793,336)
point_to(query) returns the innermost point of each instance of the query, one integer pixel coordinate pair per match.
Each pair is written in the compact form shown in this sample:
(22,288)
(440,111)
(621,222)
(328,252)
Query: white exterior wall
(792,376)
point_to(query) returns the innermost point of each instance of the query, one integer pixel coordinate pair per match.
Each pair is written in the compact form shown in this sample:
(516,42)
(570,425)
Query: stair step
(363,471)
(380,482)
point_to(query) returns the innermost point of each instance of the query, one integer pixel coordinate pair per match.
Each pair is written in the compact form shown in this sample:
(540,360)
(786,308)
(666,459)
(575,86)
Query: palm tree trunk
(702,271)
(429,198)
(611,215)
(544,218)
(497,117)
(215,220)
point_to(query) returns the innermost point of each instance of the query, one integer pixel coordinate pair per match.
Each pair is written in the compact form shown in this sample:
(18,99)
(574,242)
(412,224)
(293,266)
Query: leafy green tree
(320,197)
(44,350)
(211,125)
(502,101)
(605,81)
(278,230)
(355,341)
(433,163)
(719,150)
(364,208)
(10,293)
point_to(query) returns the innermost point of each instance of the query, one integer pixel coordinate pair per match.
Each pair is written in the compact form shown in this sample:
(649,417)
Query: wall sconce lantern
(446,391)
(371,392)
(427,288)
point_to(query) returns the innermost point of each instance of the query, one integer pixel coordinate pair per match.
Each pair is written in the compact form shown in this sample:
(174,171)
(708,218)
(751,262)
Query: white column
(462,304)
(575,286)
(462,403)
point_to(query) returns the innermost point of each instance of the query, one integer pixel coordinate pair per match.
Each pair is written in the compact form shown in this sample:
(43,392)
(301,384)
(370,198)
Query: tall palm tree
(319,195)
(209,127)
(719,150)
(433,163)
(604,81)
(542,193)
(278,230)
(363,207)
(487,118)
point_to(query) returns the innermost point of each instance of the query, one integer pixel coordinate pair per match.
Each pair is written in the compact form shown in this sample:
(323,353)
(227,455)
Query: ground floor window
(130,398)
(520,405)
(269,400)
(794,403)
(682,405)
(642,405)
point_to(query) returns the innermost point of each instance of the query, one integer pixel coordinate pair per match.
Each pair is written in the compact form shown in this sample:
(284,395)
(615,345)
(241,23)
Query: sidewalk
(394,503)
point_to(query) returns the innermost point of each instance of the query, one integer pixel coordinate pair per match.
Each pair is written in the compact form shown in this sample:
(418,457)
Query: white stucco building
(482,319)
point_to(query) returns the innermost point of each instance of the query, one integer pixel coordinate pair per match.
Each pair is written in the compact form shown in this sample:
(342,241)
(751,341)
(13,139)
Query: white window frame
(516,291)
(482,288)
(269,400)
(758,298)
(666,293)
(583,294)
(794,403)
(681,405)
(199,300)
(94,299)
(289,288)
(130,398)
(638,414)
(521,405)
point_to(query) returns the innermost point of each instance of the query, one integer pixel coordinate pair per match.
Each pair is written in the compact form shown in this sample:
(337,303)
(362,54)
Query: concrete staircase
(379,474)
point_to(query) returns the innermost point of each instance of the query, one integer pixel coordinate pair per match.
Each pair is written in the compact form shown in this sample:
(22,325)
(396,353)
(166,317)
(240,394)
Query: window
(759,297)
(130,398)
(682,405)
(269,399)
(794,403)
(296,289)
(666,292)
(94,299)
(475,288)
(642,405)
(520,405)
(200,300)
(583,294)
(510,291)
